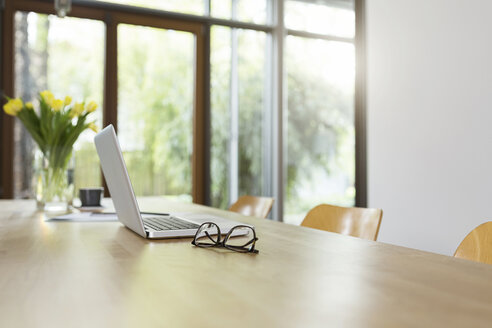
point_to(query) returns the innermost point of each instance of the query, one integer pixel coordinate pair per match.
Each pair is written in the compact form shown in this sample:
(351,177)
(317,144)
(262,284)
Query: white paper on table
(87,217)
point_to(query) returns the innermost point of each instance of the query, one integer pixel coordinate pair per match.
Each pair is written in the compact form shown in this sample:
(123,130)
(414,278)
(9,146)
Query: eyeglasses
(243,238)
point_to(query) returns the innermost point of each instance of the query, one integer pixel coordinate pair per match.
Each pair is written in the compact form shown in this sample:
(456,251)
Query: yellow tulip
(68,100)
(57,105)
(29,105)
(46,94)
(48,97)
(93,127)
(91,107)
(75,111)
(78,108)
(13,106)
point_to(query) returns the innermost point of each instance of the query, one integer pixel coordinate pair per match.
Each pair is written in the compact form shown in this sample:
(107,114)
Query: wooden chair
(253,206)
(477,245)
(353,221)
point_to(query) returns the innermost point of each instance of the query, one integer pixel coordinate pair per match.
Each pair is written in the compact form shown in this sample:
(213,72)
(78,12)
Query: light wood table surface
(81,274)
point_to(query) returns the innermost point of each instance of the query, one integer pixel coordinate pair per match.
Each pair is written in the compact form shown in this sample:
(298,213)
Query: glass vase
(54,185)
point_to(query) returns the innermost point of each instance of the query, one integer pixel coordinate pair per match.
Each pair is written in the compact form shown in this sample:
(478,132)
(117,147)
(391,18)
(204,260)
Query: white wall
(429,119)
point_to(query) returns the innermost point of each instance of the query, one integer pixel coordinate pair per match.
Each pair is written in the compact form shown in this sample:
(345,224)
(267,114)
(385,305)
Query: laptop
(147,225)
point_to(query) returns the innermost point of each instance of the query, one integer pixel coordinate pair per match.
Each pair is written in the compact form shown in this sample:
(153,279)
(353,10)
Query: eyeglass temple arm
(218,237)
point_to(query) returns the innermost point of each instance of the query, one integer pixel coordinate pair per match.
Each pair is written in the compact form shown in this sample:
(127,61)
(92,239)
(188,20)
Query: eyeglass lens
(207,235)
(240,237)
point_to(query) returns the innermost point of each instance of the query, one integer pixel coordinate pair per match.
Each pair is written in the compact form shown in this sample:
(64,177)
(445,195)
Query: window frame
(274,152)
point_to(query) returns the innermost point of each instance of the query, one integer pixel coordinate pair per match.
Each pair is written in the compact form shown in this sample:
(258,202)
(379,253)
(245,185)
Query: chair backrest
(477,245)
(353,221)
(253,206)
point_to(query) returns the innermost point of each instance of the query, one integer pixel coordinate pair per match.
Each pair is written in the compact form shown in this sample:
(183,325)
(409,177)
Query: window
(65,56)
(238,82)
(170,109)
(155,108)
(252,11)
(195,7)
(320,128)
(328,17)
(320,133)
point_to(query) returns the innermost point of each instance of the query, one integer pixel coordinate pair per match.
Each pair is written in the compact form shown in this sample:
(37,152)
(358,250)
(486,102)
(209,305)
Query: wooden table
(80,274)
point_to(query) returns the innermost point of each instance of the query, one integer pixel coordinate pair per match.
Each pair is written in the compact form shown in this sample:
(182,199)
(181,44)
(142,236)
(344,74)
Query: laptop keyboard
(168,223)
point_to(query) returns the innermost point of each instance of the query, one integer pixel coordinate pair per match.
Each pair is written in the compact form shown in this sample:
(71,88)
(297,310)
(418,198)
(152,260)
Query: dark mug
(90,197)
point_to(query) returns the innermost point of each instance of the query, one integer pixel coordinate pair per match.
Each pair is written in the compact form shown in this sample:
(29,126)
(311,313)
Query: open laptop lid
(117,179)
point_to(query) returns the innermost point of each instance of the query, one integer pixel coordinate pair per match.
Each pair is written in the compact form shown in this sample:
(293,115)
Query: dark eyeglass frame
(223,242)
